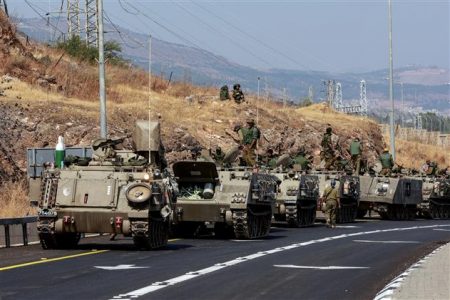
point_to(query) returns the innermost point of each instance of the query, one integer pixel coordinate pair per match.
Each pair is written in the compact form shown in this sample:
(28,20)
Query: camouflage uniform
(248,139)
(387,163)
(328,149)
(218,155)
(238,95)
(270,160)
(355,152)
(224,94)
(331,198)
(301,160)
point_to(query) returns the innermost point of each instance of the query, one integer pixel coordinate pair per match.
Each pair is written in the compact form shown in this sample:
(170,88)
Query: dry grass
(14,200)
(414,154)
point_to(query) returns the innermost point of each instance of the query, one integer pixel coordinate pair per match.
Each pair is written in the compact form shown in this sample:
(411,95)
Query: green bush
(77,47)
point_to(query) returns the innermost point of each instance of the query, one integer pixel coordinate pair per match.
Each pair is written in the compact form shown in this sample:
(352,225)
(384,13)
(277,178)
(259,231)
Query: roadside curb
(388,291)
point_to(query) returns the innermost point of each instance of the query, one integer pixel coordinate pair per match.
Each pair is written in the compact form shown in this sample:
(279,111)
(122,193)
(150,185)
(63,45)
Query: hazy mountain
(424,87)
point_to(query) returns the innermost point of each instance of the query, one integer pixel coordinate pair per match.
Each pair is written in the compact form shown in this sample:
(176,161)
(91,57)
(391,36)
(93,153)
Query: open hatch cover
(195,169)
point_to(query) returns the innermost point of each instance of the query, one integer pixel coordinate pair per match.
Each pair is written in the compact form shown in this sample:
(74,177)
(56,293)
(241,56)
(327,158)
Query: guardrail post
(25,234)
(7,239)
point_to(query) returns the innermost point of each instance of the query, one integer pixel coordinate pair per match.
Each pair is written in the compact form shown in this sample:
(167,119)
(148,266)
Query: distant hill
(424,87)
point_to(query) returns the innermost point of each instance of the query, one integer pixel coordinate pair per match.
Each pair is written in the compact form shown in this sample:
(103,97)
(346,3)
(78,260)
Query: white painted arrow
(119,267)
(320,268)
(387,242)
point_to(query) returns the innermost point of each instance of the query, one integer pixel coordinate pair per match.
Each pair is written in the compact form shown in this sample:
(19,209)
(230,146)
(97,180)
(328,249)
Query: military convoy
(115,192)
(236,200)
(394,198)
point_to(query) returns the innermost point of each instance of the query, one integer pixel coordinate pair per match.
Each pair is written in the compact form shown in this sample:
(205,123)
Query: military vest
(355,148)
(302,161)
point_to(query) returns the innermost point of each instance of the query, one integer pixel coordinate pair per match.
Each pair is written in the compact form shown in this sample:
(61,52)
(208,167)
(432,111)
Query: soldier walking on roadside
(387,163)
(331,198)
(355,152)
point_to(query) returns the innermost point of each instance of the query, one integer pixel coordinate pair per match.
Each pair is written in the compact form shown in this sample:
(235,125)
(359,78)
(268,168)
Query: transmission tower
(91,22)
(330,90)
(338,97)
(73,18)
(363,97)
(419,122)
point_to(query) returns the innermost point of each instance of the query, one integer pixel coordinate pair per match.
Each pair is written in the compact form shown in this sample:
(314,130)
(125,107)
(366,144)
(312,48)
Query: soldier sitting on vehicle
(387,163)
(270,159)
(301,160)
(238,95)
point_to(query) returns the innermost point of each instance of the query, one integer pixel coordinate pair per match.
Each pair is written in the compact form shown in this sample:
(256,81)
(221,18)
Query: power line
(121,36)
(251,36)
(213,29)
(40,15)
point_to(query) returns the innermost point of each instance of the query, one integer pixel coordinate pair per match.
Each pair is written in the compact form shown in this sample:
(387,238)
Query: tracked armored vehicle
(349,192)
(117,192)
(297,198)
(235,201)
(394,198)
(436,198)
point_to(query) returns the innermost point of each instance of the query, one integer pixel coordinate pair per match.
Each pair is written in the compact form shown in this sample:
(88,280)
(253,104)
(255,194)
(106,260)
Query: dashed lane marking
(441,229)
(386,242)
(155,286)
(320,267)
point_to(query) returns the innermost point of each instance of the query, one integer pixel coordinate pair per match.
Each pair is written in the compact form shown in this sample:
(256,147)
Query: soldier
(270,160)
(250,136)
(355,152)
(218,155)
(331,198)
(425,166)
(301,160)
(238,95)
(387,163)
(224,94)
(328,151)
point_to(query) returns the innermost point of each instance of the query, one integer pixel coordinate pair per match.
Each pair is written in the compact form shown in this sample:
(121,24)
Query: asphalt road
(354,261)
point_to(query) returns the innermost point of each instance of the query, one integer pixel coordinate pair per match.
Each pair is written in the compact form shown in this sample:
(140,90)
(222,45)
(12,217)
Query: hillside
(45,94)
(424,87)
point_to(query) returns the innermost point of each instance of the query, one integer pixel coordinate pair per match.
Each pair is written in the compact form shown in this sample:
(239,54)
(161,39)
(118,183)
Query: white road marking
(119,267)
(441,229)
(219,266)
(387,242)
(347,226)
(320,268)
(247,240)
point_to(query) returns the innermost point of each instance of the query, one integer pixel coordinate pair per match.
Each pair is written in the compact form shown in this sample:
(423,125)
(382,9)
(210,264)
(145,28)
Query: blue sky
(329,35)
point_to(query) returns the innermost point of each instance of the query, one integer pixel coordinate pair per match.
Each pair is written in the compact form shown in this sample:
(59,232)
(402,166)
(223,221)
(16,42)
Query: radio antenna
(149,95)
(257,122)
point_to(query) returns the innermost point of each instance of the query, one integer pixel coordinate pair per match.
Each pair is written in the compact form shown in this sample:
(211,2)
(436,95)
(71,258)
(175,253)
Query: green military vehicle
(235,200)
(436,198)
(349,193)
(115,192)
(394,198)
(297,198)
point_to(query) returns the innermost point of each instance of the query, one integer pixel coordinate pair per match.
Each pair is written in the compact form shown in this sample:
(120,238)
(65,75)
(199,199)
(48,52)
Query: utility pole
(403,108)
(391,83)
(149,95)
(101,70)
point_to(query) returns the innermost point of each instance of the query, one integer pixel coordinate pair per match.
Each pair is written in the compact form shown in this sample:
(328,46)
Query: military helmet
(237,126)
(356,138)
(236,86)
(329,130)
(333,182)
(385,149)
(250,121)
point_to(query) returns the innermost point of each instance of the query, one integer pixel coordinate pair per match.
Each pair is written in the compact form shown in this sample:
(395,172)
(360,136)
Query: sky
(332,35)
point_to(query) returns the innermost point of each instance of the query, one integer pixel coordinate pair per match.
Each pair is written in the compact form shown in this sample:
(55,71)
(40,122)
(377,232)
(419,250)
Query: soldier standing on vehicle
(387,162)
(238,95)
(328,151)
(355,152)
(251,135)
(331,198)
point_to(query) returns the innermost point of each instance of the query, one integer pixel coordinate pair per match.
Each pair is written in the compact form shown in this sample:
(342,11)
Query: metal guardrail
(17,221)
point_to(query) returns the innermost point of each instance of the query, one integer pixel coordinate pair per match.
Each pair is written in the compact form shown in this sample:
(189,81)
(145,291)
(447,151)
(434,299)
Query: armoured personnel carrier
(236,200)
(297,198)
(436,198)
(115,192)
(349,193)
(394,198)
